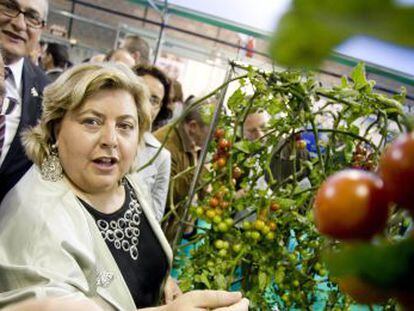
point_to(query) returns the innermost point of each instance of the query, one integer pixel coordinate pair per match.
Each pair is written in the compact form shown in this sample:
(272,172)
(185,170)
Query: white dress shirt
(14,90)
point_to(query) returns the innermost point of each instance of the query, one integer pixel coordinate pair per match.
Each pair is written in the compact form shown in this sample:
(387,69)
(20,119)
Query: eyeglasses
(12,9)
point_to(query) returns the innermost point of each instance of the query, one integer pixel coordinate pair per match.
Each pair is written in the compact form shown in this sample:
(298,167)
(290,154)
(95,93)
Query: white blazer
(50,246)
(156,176)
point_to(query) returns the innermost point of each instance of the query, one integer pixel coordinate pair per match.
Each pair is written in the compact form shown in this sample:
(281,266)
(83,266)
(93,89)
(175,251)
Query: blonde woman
(76,225)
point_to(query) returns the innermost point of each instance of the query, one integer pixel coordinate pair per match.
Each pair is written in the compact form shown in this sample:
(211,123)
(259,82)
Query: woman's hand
(171,290)
(199,300)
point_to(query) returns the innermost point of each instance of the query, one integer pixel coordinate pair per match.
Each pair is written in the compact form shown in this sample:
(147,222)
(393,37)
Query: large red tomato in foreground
(361,291)
(397,170)
(351,204)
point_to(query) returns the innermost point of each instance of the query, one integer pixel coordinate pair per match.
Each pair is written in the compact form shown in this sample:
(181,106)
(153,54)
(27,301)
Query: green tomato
(199,211)
(222,227)
(256,235)
(217,219)
(237,248)
(270,236)
(222,253)
(226,245)
(229,221)
(219,244)
(265,230)
(247,225)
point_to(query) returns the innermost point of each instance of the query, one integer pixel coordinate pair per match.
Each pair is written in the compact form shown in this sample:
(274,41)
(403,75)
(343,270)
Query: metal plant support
(204,152)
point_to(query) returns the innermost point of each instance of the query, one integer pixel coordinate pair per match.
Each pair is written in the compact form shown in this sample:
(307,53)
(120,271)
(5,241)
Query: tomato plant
(263,191)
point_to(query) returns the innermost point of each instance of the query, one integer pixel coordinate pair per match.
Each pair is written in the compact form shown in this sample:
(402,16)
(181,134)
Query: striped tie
(2,126)
(9,104)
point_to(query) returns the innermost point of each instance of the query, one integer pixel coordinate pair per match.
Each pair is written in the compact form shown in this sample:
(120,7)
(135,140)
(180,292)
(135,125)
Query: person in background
(138,48)
(55,60)
(98,58)
(176,104)
(185,142)
(254,126)
(21,23)
(120,56)
(160,88)
(77,225)
(155,175)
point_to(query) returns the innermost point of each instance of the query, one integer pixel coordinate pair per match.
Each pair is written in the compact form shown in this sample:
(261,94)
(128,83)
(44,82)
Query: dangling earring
(51,169)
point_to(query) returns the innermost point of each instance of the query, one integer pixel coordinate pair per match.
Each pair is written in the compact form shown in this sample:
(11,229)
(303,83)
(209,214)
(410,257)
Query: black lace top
(135,248)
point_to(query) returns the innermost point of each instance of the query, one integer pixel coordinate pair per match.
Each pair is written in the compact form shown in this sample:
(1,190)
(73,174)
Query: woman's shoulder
(32,190)
(34,200)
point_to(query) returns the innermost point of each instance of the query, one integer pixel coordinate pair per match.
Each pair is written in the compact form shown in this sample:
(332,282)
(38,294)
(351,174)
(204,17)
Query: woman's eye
(126,126)
(90,122)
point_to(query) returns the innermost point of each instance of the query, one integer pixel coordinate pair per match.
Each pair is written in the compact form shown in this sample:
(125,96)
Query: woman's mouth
(105,162)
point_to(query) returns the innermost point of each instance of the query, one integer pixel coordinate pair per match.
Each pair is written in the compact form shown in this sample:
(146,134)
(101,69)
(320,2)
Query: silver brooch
(104,279)
(34,92)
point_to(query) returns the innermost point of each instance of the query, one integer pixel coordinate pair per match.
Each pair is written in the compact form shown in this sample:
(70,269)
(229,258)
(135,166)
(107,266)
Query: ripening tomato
(396,169)
(221,162)
(274,206)
(214,202)
(237,172)
(224,143)
(351,204)
(219,133)
(224,204)
(301,144)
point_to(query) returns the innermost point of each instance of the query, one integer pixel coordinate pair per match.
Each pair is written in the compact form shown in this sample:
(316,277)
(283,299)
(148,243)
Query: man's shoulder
(35,73)
(169,133)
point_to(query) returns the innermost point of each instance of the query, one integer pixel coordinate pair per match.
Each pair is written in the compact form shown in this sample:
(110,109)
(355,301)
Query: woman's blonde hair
(71,90)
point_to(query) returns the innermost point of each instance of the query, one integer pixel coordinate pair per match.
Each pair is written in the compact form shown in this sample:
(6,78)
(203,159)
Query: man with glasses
(21,24)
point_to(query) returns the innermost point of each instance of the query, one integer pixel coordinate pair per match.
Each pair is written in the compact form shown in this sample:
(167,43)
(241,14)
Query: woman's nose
(108,136)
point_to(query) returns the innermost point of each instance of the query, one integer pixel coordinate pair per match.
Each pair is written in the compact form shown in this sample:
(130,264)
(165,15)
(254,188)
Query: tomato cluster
(355,204)
(363,159)
(223,149)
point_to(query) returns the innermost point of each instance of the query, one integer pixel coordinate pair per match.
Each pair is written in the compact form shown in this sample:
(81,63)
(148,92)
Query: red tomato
(397,170)
(351,204)
(361,291)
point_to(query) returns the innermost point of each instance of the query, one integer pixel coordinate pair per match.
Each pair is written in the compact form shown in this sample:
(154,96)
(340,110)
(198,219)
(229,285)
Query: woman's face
(157,93)
(97,143)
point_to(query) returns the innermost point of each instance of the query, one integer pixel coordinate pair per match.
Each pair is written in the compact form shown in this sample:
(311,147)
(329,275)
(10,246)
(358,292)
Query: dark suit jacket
(16,163)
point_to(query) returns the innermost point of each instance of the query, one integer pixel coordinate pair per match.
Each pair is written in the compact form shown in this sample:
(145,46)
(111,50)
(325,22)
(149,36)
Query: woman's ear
(55,132)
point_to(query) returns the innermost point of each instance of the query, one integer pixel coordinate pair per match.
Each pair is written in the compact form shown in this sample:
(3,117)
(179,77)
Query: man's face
(199,133)
(17,36)
(255,125)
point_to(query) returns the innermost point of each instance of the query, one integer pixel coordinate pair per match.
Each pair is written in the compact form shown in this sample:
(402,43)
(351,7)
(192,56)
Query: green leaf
(243,146)
(236,99)
(285,203)
(220,281)
(358,76)
(205,281)
(388,266)
(262,280)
